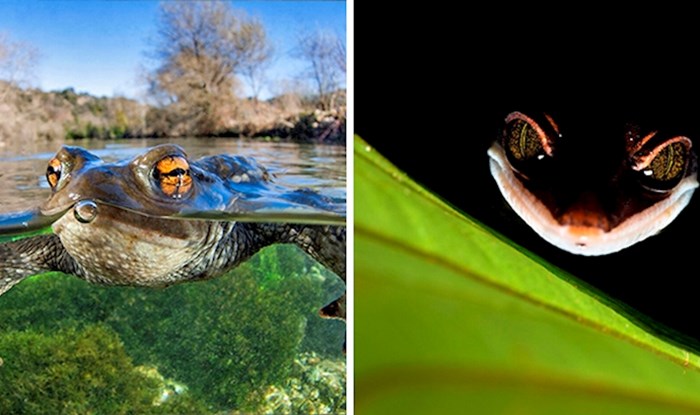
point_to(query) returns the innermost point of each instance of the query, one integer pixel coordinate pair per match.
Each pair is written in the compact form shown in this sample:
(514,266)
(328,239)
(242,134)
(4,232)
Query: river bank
(31,115)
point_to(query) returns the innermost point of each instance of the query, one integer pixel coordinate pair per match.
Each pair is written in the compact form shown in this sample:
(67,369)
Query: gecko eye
(526,144)
(663,167)
(172,173)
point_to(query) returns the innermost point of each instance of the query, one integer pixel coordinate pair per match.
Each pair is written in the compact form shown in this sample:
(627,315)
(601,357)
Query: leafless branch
(324,54)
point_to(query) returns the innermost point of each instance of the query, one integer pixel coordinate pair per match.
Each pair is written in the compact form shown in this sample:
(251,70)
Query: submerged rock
(167,388)
(316,386)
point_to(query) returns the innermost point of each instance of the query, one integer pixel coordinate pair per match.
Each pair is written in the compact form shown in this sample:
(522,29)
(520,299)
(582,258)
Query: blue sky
(101,46)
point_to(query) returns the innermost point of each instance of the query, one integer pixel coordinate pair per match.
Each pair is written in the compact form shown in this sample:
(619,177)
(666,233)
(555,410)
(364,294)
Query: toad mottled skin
(132,241)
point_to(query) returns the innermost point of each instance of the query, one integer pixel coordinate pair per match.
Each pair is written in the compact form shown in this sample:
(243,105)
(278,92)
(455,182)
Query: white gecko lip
(587,240)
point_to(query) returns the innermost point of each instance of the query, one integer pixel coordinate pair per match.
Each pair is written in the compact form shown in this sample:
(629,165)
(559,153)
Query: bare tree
(254,45)
(202,46)
(17,59)
(340,54)
(324,53)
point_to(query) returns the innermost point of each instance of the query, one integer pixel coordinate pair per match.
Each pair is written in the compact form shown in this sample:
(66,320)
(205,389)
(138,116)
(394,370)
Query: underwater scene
(249,341)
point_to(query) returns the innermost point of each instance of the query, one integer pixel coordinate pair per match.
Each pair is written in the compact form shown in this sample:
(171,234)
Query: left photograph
(173,220)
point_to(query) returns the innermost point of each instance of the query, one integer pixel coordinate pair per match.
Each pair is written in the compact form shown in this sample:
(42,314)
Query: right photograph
(535,258)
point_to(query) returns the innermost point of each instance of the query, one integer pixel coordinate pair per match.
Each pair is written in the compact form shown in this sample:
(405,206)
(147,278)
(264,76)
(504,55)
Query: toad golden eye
(172,173)
(53,173)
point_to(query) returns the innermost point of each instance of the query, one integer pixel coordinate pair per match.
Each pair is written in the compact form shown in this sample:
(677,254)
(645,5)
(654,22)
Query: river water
(320,167)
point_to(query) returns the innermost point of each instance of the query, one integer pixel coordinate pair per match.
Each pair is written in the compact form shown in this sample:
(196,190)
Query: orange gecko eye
(173,176)
(53,173)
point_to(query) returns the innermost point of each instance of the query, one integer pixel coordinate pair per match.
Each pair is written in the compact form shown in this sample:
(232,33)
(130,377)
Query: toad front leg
(31,256)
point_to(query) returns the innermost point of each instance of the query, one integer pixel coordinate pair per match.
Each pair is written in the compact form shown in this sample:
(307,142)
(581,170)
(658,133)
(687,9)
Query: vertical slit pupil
(523,141)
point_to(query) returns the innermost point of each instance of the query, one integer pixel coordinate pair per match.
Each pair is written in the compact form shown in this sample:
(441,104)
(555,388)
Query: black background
(432,87)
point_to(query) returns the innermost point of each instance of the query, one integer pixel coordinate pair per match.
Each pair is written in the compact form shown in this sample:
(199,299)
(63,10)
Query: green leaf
(451,318)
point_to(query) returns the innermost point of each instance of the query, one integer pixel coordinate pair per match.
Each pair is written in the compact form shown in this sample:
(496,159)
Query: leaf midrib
(382,381)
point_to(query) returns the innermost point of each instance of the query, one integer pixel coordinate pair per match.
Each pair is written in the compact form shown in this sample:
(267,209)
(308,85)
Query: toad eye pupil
(53,173)
(173,176)
(176,172)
